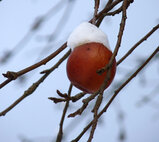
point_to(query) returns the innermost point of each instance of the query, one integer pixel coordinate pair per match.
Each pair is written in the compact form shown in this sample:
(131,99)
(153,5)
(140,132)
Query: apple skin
(83,63)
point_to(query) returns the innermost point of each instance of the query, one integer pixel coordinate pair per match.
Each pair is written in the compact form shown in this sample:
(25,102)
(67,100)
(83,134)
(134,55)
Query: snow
(86,33)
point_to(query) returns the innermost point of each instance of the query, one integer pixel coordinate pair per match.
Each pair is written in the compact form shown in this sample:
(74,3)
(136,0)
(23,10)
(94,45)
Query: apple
(83,63)
(90,52)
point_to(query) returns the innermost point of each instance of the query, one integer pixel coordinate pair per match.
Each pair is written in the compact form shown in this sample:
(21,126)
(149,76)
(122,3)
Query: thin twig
(57,100)
(60,133)
(121,30)
(65,97)
(117,11)
(85,104)
(79,111)
(112,13)
(120,35)
(34,86)
(78,96)
(116,93)
(110,5)
(95,120)
(96,6)
(14,75)
(138,43)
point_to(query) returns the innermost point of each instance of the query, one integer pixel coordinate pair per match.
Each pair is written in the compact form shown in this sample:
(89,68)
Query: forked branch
(10,75)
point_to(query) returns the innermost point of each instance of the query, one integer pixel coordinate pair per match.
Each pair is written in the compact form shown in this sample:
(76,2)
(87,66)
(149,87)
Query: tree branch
(116,93)
(138,43)
(14,75)
(120,35)
(110,5)
(35,85)
(95,120)
(96,6)
(60,133)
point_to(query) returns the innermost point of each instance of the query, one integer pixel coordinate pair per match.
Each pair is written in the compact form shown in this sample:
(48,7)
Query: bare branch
(60,133)
(110,5)
(95,120)
(78,96)
(120,35)
(116,93)
(79,111)
(65,97)
(138,43)
(9,74)
(85,104)
(97,2)
(131,77)
(35,85)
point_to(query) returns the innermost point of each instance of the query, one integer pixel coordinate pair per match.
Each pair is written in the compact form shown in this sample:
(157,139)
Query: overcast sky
(37,118)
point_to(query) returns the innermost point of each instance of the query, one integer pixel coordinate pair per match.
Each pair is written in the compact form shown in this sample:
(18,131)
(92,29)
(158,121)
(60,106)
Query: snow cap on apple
(87,33)
(90,53)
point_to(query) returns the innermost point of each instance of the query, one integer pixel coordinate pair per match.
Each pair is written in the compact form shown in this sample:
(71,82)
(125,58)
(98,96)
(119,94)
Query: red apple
(83,63)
